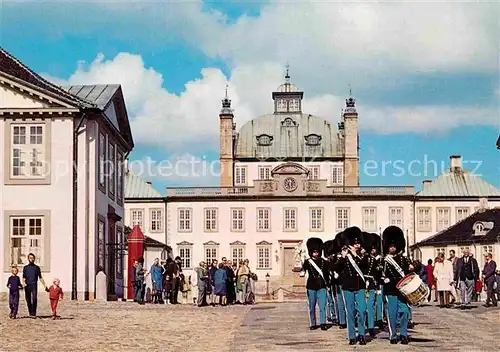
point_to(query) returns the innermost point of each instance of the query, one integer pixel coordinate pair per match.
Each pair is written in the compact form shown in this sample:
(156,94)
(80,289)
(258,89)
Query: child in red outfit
(55,295)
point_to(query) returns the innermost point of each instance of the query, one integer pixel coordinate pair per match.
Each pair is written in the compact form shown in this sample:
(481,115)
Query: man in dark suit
(464,276)
(489,278)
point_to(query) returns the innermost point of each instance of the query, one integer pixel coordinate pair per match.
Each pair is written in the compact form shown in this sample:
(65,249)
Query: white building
(61,195)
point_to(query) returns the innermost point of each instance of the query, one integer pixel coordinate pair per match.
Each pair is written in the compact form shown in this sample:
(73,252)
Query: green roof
(458,183)
(136,187)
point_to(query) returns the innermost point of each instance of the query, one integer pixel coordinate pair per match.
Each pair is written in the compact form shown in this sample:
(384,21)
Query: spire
(226,104)
(287,75)
(350,103)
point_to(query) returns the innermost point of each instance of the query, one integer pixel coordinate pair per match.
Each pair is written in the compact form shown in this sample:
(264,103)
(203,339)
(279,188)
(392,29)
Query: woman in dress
(443,273)
(220,284)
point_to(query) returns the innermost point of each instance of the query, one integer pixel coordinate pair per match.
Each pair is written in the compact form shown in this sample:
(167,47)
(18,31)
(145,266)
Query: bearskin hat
(371,240)
(393,235)
(329,248)
(351,236)
(337,243)
(314,244)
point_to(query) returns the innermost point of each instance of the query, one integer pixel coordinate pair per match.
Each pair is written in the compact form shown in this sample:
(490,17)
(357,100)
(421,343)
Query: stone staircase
(292,288)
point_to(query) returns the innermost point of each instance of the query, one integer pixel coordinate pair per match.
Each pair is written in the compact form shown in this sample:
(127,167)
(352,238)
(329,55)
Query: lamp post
(267,285)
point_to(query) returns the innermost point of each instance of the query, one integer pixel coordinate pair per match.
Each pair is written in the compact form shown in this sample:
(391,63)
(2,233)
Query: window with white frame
(211,221)
(237,219)
(156,220)
(442,218)
(28,151)
(316,219)
(313,172)
(264,257)
(487,249)
(111,168)
(26,236)
(185,253)
(462,249)
(290,219)
(370,219)
(102,161)
(185,219)
(237,254)
(137,217)
(439,251)
(396,216)
(281,105)
(294,105)
(337,175)
(240,176)
(119,176)
(424,222)
(211,254)
(462,213)
(263,219)
(343,215)
(264,172)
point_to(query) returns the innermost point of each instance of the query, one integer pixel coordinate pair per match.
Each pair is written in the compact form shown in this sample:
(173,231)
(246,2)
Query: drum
(413,288)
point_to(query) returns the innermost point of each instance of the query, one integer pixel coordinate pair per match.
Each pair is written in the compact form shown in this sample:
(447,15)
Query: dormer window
(264,140)
(281,105)
(313,140)
(481,228)
(288,122)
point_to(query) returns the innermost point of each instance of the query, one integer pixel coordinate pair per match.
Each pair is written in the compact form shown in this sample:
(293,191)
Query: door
(111,253)
(289,261)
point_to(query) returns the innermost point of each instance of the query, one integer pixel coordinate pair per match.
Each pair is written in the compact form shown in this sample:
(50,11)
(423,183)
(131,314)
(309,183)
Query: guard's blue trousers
(313,297)
(397,312)
(331,307)
(370,309)
(379,301)
(340,306)
(355,302)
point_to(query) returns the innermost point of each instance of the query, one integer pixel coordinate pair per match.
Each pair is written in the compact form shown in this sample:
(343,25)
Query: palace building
(290,175)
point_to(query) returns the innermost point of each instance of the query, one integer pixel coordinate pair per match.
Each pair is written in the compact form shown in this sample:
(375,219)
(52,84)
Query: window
(316,219)
(290,219)
(263,219)
(424,222)
(487,249)
(438,251)
(264,140)
(396,216)
(462,213)
(102,161)
(111,168)
(337,175)
(119,177)
(237,254)
(443,218)
(294,105)
(101,244)
(185,217)
(28,154)
(137,216)
(185,254)
(313,140)
(264,257)
(313,172)
(237,219)
(264,172)
(211,222)
(462,249)
(156,220)
(288,122)
(281,105)
(210,254)
(342,218)
(26,236)
(370,219)
(240,177)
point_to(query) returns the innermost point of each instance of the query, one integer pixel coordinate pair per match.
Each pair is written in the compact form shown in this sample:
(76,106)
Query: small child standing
(55,295)
(14,284)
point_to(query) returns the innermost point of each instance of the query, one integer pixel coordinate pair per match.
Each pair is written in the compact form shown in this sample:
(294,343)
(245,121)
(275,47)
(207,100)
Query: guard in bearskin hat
(396,266)
(331,258)
(337,247)
(317,282)
(373,275)
(351,265)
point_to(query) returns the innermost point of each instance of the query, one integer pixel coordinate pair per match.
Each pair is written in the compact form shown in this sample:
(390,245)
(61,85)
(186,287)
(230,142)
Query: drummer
(394,244)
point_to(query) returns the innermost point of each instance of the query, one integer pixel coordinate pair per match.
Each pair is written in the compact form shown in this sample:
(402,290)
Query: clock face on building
(290,184)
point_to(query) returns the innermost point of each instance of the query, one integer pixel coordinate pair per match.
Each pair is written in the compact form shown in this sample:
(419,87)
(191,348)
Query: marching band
(357,279)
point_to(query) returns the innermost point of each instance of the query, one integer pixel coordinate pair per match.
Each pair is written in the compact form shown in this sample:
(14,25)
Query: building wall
(146,227)
(250,236)
(478,251)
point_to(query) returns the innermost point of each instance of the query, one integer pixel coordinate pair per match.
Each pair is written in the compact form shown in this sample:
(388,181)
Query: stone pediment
(237,243)
(264,243)
(185,243)
(289,169)
(211,243)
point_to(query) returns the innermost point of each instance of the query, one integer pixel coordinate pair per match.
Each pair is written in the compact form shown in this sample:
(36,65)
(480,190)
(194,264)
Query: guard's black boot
(314,327)
(361,340)
(394,341)
(323,327)
(371,332)
(352,341)
(343,326)
(404,340)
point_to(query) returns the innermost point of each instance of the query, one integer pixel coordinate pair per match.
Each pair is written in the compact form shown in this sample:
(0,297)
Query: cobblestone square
(127,326)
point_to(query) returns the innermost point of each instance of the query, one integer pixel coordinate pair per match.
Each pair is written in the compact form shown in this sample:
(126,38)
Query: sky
(425,75)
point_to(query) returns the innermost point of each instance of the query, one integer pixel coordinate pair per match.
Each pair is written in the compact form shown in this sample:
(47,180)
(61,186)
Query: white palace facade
(287,176)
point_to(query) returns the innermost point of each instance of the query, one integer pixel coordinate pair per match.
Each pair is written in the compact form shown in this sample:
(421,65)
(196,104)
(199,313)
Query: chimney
(426,184)
(455,163)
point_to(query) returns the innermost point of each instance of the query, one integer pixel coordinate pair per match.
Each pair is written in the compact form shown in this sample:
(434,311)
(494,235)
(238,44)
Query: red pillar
(135,251)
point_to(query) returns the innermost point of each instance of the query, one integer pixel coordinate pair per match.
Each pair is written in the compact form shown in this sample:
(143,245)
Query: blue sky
(425,90)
